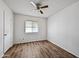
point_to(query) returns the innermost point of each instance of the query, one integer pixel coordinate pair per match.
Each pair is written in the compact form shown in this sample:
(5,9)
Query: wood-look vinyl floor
(39,49)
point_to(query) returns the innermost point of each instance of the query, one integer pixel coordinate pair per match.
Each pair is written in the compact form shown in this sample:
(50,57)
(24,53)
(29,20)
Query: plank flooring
(39,49)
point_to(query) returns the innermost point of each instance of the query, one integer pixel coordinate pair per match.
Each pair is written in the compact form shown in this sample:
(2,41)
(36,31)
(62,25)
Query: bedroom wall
(21,37)
(63,29)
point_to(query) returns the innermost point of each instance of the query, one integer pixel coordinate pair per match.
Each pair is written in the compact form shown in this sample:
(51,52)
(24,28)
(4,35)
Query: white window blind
(31,26)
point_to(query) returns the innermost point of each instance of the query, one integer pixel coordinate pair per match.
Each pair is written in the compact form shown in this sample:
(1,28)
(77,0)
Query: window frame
(29,27)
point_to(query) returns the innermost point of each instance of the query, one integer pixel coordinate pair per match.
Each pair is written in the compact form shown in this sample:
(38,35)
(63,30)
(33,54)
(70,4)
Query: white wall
(21,37)
(63,29)
(3,8)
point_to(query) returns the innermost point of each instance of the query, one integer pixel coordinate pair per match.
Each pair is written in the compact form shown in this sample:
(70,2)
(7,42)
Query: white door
(7,40)
(1,33)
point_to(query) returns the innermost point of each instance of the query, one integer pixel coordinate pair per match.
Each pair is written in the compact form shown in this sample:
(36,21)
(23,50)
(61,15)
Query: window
(31,26)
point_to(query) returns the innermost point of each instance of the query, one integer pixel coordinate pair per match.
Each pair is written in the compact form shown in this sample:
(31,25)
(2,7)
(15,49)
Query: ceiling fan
(39,7)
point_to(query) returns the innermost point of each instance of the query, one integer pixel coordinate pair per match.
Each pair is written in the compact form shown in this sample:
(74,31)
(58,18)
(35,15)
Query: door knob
(5,34)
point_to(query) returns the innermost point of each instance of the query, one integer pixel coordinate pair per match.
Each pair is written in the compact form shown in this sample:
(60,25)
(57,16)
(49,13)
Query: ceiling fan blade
(41,11)
(34,4)
(46,6)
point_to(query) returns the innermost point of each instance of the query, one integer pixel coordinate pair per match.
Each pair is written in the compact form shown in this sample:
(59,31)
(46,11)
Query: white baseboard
(28,41)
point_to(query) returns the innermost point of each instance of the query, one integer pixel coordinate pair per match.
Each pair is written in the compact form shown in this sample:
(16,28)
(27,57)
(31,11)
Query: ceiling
(24,7)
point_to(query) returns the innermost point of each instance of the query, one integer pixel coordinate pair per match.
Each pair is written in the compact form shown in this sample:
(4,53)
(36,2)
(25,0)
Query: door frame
(3,29)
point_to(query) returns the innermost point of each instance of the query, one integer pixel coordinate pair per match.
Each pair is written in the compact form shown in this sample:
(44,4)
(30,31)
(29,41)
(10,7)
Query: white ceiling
(24,7)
